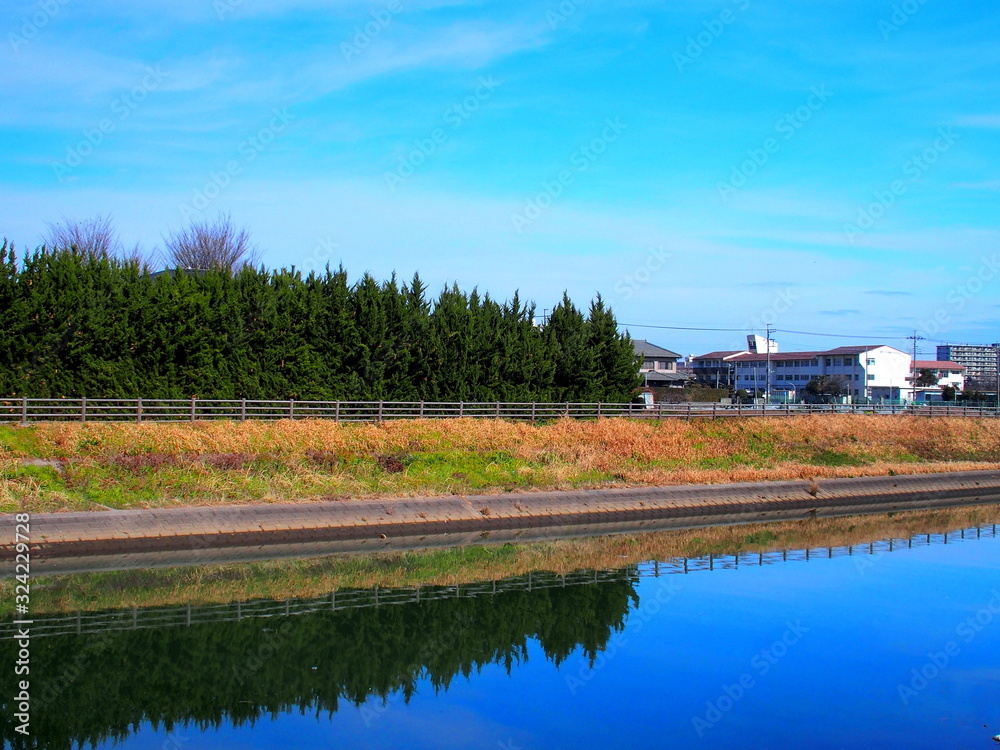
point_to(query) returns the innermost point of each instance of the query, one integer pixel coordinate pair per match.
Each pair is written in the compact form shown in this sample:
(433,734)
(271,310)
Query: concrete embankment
(176,536)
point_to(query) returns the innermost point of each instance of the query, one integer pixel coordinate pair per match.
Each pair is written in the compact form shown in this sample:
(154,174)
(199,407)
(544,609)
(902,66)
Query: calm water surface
(891,650)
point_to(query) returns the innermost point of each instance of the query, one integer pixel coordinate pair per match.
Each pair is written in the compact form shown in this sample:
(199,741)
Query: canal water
(884,650)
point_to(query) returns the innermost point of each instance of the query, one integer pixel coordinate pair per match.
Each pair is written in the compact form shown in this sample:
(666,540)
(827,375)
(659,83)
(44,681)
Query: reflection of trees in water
(241,671)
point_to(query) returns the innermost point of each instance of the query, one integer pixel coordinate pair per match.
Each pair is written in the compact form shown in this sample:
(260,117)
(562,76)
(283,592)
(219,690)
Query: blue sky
(703,163)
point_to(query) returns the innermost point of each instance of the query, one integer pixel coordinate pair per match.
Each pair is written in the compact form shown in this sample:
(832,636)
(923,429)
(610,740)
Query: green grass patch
(837,458)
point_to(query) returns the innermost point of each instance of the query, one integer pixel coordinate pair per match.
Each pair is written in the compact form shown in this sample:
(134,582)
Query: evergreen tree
(91,324)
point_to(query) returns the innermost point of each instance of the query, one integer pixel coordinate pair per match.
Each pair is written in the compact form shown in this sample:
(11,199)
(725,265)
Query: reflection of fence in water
(158,617)
(745,559)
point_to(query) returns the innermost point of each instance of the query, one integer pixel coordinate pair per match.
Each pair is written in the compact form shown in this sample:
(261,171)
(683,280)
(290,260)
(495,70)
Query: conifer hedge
(73,324)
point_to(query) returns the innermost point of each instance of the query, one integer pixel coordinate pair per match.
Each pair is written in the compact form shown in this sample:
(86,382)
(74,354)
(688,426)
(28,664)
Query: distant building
(659,365)
(947,374)
(761,345)
(875,371)
(980,361)
(716,369)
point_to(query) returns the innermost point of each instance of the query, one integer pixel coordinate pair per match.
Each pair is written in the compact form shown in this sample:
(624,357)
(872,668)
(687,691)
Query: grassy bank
(71,466)
(306,578)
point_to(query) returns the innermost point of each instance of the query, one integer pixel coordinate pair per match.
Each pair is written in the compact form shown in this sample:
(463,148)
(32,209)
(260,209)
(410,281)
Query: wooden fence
(26,410)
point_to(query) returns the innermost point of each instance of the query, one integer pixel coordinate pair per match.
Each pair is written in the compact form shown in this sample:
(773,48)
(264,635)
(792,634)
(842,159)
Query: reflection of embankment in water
(304,578)
(135,618)
(91,688)
(200,667)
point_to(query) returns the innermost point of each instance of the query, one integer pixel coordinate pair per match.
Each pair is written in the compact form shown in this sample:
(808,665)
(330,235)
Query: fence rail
(188,615)
(25,410)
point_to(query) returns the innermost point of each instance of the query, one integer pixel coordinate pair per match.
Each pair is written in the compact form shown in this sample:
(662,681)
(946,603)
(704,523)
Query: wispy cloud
(984,185)
(769,284)
(978,121)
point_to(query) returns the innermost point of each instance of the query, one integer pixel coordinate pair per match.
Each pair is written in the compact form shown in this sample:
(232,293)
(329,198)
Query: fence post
(24,410)
(243,410)
(83,409)
(689,412)
(138,410)
(533,405)
(291,408)
(421,409)
(192,408)
(567,409)
(599,405)
(461,408)
(336,411)
(498,410)
(380,411)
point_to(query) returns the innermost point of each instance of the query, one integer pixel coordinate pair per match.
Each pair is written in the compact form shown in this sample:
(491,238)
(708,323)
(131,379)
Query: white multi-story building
(876,372)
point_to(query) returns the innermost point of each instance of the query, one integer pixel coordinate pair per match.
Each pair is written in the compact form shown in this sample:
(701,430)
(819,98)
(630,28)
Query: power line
(780,330)
(840,335)
(683,328)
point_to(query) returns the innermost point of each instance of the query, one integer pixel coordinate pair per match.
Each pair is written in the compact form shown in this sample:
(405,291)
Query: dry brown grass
(210,462)
(585,442)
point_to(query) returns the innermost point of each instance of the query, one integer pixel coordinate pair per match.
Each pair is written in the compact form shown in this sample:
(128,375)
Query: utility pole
(913,363)
(864,374)
(767,359)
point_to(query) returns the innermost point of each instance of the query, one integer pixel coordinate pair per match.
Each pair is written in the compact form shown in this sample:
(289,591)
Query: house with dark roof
(659,365)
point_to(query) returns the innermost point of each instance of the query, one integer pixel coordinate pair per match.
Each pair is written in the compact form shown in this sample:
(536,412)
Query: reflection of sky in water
(870,621)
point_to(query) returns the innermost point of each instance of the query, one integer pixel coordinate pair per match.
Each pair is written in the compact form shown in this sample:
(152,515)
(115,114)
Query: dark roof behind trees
(644,349)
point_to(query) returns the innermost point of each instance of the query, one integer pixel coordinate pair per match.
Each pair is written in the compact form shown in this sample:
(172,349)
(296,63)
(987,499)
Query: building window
(871,377)
(871,361)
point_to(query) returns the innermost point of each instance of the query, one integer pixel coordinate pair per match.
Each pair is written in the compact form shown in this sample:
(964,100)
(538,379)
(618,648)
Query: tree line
(81,323)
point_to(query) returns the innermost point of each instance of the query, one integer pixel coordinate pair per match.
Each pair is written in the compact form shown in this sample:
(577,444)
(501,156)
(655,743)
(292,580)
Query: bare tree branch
(211,244)
(96,236)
